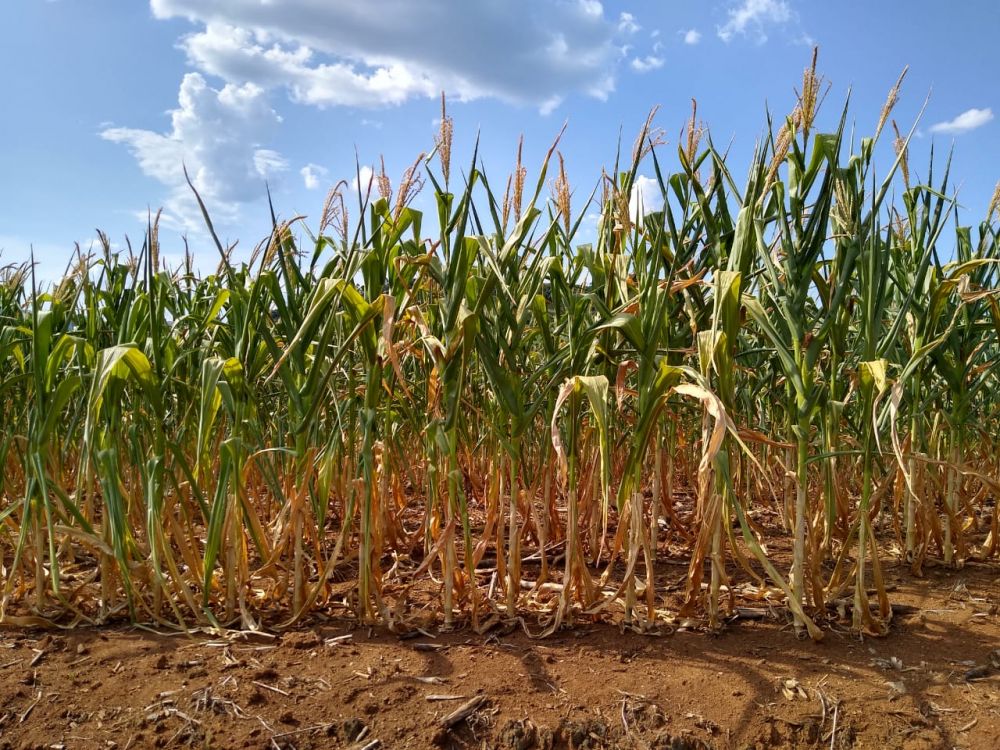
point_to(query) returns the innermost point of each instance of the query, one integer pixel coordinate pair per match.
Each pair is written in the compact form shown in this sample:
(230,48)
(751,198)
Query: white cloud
(550,105)
(365,173)
(235,54)
(646,64)
(344,53)
(646,197)
(341,52)
(691,36)
(627,23)
(753,17)
(216,134)
(970,119)
(312,174)
(366,182)
(267,162)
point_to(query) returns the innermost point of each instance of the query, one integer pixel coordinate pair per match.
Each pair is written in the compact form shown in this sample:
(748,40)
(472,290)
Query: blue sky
(104,99)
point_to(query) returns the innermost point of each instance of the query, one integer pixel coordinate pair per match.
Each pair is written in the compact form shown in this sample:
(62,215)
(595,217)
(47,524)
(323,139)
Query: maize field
(475,416)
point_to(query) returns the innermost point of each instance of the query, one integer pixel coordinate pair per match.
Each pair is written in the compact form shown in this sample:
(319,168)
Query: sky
(106,101)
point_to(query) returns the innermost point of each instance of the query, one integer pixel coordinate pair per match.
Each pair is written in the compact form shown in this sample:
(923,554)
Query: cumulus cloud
(752,17)
(550,105)
(341,52)
(217,134)
(365,173)
(311,175)
(650,62)
(646,64)
(366,184)
(627,23)
(327,53)
(691,36)
(646,197)
(970,119)
(236,54)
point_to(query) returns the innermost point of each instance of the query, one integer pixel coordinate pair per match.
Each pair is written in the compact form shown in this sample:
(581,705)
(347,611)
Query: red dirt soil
(929,684)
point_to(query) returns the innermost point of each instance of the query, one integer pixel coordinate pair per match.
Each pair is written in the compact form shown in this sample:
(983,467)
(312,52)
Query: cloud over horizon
(217,134)
(339,53)
(645,198)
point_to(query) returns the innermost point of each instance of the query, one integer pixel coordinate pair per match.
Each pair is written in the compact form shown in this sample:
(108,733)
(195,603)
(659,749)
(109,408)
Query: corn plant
(501,411)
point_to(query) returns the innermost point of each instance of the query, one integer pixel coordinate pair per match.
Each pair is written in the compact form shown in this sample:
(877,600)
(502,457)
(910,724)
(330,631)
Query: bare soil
(929,684)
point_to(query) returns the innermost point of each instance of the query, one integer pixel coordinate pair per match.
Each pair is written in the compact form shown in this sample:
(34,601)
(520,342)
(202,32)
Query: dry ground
(924,686)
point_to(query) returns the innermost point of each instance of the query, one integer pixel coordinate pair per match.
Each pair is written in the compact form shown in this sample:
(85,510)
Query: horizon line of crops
(813,348)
